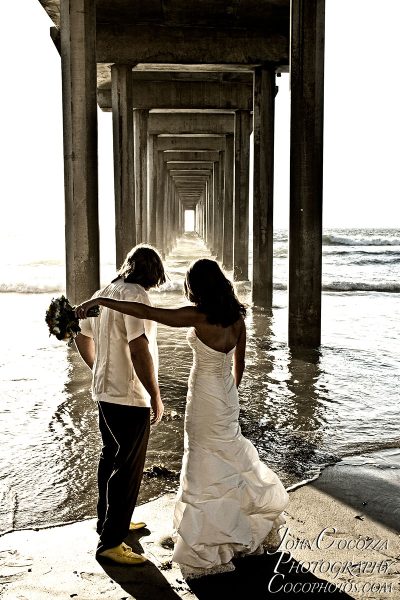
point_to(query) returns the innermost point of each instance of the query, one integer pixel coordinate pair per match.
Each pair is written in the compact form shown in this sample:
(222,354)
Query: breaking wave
(28,288)
(357,286)
(353,286)
(338,240)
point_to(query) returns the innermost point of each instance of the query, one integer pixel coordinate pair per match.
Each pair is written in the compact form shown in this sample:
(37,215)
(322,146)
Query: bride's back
(217,337)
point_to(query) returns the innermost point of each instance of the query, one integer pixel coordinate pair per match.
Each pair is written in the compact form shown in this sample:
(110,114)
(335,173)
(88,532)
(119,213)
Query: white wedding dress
(228,500)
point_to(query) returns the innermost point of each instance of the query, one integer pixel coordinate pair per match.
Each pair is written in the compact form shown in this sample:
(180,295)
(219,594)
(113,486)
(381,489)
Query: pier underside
(191,85)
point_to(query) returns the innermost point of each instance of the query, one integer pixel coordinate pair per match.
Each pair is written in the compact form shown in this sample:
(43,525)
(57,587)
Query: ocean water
(301,410)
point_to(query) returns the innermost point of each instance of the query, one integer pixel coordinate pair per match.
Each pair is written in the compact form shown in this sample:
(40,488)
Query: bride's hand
(81,311)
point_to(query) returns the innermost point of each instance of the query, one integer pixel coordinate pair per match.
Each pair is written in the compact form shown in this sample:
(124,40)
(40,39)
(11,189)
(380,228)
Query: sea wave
(176,286)
(338,240)
(353,286)
(378,259)
(360,252)
(31,288)
(362,286)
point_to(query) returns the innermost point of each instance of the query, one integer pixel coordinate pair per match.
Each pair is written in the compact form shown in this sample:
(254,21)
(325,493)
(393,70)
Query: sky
(361,130)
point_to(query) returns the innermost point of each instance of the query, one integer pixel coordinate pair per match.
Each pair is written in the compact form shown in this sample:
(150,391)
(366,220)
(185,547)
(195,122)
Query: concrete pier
(78,66)
(140,127)
(306,172)
(241,196)
(263,185)
(227,248)
(124,187)
(181,81)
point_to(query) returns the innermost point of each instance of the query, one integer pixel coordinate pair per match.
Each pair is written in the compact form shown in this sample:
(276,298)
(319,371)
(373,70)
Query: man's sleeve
(86,324)
(86,327)
(134,326)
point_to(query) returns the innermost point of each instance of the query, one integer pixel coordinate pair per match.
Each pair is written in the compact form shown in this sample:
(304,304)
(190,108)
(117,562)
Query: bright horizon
(362,126)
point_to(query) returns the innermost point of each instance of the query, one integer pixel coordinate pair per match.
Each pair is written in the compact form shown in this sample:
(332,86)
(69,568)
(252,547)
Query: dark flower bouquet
(62,321)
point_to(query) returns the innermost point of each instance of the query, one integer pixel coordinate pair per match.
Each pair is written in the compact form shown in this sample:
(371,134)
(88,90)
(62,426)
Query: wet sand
(342,531)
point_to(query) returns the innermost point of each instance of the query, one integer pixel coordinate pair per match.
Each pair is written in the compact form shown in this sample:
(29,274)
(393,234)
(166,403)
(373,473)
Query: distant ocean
(302,411)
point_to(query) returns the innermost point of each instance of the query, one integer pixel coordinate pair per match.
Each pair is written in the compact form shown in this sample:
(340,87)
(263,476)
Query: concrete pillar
(140,126)
(151,191)
(227,249)
(263,182)
(168,215)
(221,205)
(306,166)
(241,196)
(78,62)
(217,212)
(124,188)
(160,203)
(210,192)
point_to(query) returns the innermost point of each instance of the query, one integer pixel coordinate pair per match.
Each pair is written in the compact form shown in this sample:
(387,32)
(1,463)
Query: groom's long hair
(212,293)
(142,265)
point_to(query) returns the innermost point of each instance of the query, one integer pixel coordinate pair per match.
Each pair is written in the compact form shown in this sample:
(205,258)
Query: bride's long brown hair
(212,293)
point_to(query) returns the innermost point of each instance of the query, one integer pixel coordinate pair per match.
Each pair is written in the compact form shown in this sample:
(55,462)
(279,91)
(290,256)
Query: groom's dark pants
(125,433)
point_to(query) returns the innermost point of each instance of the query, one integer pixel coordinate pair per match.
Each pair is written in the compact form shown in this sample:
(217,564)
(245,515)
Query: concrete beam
(191,144)
(154,43)
(184,94)
(190,156)
(191,123)
(189,166)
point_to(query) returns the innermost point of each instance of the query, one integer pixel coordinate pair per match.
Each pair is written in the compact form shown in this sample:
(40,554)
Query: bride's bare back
(222,339)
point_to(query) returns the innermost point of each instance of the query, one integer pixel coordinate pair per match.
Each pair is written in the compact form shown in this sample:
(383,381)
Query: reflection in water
(76,442)
(305,407)
(281,409)
(300,410)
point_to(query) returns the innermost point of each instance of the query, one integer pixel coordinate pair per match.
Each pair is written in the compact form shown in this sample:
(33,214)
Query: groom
(122,353)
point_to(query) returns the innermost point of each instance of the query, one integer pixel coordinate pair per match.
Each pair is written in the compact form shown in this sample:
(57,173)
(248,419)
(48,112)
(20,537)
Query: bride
(228,500)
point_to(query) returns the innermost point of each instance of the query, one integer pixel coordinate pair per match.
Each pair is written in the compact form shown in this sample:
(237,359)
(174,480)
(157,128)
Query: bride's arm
(174,317)
(238,357)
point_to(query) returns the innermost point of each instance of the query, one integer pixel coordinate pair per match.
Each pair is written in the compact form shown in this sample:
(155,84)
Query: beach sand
(341,530)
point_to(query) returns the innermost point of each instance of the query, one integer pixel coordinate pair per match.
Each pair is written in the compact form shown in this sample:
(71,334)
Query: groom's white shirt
(114,378)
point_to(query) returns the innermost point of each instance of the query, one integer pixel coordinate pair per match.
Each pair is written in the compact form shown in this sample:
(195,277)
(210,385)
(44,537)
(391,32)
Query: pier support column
(79,85)
(241,196)
(263,185)
(160,203)
(140,126)
(151,191)
(306,165)
(124,188)
(227,250)
(210,204)
(217,219)
(221,203)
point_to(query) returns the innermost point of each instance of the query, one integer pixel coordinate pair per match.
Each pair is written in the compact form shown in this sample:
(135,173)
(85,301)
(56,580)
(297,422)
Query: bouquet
(62,321)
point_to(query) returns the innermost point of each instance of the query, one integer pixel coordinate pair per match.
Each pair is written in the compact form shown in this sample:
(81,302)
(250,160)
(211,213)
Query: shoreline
(340,529)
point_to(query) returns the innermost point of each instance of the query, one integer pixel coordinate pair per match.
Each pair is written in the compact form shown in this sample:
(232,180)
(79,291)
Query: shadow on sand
(261,577)
(275,575)
(143,582)
(370,491)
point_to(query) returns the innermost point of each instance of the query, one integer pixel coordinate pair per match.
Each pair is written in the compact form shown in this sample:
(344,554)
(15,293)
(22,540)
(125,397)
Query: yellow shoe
(133,526)
(123,555)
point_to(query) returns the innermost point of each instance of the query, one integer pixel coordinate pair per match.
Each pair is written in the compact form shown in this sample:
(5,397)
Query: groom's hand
(157,407)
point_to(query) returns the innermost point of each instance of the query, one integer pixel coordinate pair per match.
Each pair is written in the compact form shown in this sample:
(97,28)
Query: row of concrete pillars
(166,161)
